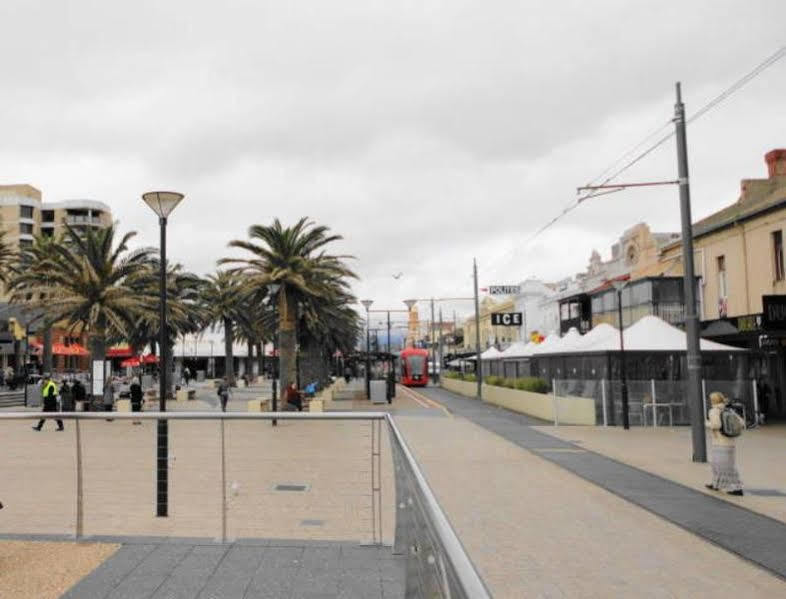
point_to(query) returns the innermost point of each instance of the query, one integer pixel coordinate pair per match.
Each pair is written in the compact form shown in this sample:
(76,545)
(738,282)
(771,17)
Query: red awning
(149,359)
(73,349)
(133,362)
(60,349)
(120,352)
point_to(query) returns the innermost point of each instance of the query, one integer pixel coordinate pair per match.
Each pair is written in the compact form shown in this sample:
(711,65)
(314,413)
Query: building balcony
(77,220)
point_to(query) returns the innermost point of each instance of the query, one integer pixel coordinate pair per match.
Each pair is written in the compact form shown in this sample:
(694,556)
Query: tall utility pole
(439,340)
(433,349)
(479,366)
(691,318)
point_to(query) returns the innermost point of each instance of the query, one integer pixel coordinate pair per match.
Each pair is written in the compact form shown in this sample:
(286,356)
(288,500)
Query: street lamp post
(272,289)
(367,304)
(162,203)
(619,286)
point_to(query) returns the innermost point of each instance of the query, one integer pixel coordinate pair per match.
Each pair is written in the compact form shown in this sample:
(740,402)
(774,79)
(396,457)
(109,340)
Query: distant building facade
(24,215)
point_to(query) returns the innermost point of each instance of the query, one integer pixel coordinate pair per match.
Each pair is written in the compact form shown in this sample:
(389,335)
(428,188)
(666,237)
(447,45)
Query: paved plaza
(542,511)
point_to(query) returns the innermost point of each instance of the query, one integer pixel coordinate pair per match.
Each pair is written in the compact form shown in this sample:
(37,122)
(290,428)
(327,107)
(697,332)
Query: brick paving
(332,459)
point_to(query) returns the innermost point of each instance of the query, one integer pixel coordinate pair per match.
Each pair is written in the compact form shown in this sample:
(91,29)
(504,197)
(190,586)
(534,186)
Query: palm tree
(185,310)
(9,259)
(34,287)
(255,328)
(222,298)
(88,284)
(294,258)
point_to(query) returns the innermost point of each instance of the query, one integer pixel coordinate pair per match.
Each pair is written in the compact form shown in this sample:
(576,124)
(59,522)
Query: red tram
(414,367)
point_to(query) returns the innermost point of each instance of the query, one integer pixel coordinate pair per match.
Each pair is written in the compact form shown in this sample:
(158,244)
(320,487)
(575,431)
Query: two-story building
(739,257)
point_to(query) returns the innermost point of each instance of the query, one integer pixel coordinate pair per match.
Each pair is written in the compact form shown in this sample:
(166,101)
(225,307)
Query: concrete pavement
(535,529)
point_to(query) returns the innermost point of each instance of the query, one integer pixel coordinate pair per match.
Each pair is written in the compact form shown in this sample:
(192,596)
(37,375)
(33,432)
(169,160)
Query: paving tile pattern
(252,569)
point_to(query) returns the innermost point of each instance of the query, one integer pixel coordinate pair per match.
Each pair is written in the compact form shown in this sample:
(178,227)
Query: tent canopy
(648,334)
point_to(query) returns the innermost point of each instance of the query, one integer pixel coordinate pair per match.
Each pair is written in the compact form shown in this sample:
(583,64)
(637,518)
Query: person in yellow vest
(49,393)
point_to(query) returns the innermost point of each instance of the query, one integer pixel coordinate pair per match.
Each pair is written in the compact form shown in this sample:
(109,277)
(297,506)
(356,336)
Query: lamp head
(410,303)
(366,304)
(162,202)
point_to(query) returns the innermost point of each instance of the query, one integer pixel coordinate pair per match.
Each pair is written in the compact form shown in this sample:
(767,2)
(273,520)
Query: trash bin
(379,391)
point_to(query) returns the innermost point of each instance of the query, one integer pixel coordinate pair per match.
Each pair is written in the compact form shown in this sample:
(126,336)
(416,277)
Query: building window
(723,290)
(777,254)
(25,243)
(25,228)
(25,211)
(48,216)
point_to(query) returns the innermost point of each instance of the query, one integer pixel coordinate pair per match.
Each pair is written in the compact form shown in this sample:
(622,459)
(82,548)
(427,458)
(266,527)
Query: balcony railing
(82,220)
(113,471)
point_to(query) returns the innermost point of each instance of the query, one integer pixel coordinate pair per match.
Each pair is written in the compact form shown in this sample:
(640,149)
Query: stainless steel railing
(436,563)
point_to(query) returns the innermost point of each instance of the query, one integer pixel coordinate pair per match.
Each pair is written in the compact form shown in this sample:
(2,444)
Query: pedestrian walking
(136,397)
(223,393)
(79,393)
(66,397)
(725,426)
(49,395)
(109,398)
(186,375)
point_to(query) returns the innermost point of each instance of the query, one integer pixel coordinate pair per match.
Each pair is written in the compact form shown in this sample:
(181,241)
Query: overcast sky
(424,132)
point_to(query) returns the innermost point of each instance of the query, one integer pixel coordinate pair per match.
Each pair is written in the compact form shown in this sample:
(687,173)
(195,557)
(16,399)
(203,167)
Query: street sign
(504,289)
(774,312)
(506,319)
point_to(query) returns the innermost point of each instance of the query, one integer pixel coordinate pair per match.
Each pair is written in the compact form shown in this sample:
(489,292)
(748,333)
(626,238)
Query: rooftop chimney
(776,163)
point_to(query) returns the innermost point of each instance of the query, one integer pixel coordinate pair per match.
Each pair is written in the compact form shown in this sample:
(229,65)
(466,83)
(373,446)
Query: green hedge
(528,383)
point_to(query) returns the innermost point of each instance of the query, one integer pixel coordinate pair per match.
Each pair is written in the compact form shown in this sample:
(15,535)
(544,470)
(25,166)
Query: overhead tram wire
(717,100)
(574,204)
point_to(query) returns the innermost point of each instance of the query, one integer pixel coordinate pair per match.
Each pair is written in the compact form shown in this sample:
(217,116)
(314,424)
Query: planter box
(258,405)
(570,410)
(123,405)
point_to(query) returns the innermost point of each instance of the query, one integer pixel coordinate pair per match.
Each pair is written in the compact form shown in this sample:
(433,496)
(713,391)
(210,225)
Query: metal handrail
(194,415)
(470,583)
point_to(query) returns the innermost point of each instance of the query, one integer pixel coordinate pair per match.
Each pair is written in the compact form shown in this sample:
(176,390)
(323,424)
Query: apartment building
(23,214)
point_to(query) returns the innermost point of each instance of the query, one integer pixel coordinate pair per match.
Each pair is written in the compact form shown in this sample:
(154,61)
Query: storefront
(764,335)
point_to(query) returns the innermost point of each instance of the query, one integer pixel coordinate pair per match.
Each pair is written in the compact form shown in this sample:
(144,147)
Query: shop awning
(132,362)
(60,349)
(120,351)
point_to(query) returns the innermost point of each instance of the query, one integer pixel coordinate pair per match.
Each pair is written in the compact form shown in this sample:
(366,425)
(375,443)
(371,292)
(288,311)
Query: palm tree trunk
(287,339)
(47,335)
(250,361)
(261,358)
(229,359)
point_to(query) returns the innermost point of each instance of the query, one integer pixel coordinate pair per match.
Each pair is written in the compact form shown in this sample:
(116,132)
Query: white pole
(654,405)
(755,402)
(556,402)
(704,396)
(603,399)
